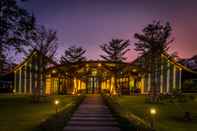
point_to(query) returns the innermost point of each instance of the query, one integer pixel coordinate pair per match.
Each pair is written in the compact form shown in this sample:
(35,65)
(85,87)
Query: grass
(169,114)
(18,113)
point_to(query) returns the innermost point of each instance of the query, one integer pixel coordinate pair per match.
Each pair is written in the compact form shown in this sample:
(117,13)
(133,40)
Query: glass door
(93,85)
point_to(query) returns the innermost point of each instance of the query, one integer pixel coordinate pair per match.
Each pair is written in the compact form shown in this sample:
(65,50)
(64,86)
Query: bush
(128,121)
(182,99)
(191,97)
(189,86)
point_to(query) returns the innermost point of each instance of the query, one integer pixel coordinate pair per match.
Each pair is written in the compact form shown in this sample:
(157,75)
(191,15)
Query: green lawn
(18,113)
(169,116)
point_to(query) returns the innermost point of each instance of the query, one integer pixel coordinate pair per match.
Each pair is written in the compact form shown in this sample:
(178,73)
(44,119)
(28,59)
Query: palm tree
(152,42)
(115,51)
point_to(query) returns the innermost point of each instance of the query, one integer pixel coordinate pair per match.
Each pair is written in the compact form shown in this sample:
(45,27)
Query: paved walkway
(92,115)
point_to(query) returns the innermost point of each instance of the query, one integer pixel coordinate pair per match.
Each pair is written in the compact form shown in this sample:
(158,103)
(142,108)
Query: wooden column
(174,77)
(149,81)
(25,79)
(180,79)
(168,77)
(20,80)
(161,79)
(80,84)
(15,81)
(142,85)
(30,79)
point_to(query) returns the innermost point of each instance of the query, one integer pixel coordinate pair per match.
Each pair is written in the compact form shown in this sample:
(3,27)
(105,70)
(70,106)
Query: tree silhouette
(16,24)
(45,42)
(152,42)
(115,51)
(73,55)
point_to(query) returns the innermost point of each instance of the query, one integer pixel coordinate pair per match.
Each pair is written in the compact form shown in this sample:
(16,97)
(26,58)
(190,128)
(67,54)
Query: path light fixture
(56,102)
(153,113)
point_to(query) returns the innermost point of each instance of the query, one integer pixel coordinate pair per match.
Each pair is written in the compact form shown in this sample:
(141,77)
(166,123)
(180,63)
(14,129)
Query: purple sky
(89,23)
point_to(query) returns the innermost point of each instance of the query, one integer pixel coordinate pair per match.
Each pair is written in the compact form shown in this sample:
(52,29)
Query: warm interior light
(114,93)
(153,111)
(134,70)
(99,65)
(56,102)
(54,71)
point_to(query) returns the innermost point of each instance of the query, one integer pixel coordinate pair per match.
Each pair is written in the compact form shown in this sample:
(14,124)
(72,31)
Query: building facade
(95,77)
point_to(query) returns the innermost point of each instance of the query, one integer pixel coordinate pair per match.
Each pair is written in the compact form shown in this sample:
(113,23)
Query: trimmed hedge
(58,121)
(128,121)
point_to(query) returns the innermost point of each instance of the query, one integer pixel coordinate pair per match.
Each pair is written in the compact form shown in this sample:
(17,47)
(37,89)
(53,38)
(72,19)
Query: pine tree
(152,42)
(115,51)
(73,55)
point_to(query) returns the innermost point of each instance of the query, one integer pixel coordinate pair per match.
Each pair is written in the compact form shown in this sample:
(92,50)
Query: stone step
(91,128)
(92,115)
(93,123)
(92,119)
(99,112)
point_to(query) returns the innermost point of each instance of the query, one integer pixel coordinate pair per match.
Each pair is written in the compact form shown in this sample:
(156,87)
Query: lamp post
(153,113)
(56,102)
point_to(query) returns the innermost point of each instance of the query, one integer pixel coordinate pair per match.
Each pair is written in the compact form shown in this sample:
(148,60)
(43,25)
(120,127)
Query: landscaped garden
(19,113)
(170,111)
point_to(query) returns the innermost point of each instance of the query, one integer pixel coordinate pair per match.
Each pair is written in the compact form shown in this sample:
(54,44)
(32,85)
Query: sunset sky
(89,23)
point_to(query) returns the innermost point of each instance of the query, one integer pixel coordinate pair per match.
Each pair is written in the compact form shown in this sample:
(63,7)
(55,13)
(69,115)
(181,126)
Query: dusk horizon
(98,65)
(92,23)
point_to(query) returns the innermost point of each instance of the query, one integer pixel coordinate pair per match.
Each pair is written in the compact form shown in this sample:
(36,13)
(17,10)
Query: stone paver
(92,115)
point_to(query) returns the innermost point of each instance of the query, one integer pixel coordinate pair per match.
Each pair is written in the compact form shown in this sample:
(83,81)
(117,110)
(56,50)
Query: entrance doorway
(93,85)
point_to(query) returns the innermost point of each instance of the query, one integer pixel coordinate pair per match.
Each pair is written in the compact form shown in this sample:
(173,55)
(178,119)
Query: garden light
(56,102)
(153,111)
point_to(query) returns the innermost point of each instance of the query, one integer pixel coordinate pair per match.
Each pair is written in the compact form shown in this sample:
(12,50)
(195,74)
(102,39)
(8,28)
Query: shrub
(191,97)
(182,99)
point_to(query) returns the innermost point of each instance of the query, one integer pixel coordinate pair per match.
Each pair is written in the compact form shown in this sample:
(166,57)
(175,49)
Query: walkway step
(91,128)
(93,123)
(92,118)
(92,115)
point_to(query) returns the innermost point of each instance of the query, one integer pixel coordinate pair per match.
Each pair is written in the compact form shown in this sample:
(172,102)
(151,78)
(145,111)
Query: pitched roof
(171,59)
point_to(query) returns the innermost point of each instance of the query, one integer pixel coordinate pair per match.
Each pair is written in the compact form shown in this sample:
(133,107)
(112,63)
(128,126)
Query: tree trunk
(153,75)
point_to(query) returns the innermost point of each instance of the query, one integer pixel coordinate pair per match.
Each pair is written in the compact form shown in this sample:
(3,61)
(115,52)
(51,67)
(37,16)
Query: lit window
(54,71)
